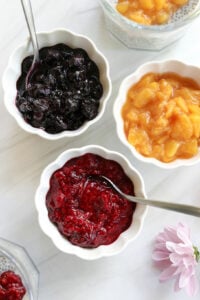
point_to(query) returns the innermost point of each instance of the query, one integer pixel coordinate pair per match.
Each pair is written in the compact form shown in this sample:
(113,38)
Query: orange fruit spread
(149,12)
(162,116)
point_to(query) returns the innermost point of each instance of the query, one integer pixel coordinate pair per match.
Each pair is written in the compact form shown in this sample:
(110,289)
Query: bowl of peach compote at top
(149,24)
(149,12)
(158,113)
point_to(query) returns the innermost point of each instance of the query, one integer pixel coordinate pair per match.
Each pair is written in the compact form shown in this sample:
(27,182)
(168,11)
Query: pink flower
(175,255)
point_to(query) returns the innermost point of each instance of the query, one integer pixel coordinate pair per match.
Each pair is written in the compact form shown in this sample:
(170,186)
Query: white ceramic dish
(45,39)
(174,66)
(155,37)
(63,244)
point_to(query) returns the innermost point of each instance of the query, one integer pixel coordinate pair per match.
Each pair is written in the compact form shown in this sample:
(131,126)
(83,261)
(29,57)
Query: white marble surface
(131,274)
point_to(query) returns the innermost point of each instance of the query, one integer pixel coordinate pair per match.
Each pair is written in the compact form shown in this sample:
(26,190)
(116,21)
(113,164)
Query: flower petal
(180,248)
(184,237)
(189,261)
(176,259)
(183,227)
(185,277)
(160,246)
(192,286)
(171,234)
(162,264)
(160,255)
(176,285)
(167,273)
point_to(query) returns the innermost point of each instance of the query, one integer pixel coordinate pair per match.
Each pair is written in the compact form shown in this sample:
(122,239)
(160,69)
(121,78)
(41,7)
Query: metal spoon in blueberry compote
(182,208)
(28,13)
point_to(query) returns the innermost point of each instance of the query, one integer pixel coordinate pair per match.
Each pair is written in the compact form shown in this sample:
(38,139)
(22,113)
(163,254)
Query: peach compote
(162,116)
(149,12)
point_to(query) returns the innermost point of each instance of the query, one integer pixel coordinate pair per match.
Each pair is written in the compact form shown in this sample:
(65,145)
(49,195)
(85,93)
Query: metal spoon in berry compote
(28,13)
(182,208)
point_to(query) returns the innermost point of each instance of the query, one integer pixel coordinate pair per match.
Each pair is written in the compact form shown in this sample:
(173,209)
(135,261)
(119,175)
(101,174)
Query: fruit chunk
(144,97)
(122,7)
(147,4)
(171,147)
(11,286)
(182,128)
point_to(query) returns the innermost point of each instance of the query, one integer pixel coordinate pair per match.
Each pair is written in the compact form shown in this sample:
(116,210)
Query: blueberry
(64,49)
(38,91)
(50,54)
(41,104)
(79,58)
(38,117)
(89,108)
(40,78)
(21,85)
(92,69)
(50,126)
(71,104)
(76,75)
(74,120)
(95,88)
(25,107)
(26,64)
(50,79)
(60,124)
(56,104)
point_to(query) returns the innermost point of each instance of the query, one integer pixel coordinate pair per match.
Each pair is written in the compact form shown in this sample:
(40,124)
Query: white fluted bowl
(51,230)
(46,39)
(171,66)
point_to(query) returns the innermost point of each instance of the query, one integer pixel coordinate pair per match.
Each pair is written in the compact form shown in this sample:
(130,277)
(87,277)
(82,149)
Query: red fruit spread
(88,212)
(11,286)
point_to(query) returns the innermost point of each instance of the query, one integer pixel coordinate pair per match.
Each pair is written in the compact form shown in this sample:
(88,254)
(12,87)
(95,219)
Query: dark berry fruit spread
(63,89)
(11,286)
(88,212)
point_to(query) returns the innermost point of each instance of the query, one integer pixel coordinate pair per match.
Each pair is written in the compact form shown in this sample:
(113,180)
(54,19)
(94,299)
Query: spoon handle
(182,208)
(27,8)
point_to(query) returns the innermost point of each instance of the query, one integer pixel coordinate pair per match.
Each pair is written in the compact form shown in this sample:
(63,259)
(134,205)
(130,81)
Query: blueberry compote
(89,213)
(11,286)
(63,89)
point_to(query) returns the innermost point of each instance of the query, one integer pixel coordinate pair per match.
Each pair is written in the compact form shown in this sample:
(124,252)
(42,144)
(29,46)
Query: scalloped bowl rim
(50,229)
(24,50)
(186,70)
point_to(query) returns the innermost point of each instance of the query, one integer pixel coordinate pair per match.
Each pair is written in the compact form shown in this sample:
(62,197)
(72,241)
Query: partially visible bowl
(51,230)
(15,258)
(134,35)
(45,39)
(159,67)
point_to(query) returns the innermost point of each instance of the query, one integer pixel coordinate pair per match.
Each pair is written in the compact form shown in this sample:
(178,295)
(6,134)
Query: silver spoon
(182,208)
(28,13)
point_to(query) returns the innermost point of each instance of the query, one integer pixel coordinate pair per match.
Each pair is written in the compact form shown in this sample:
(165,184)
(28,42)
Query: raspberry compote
(11,286)
(61,92)
(88,212)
